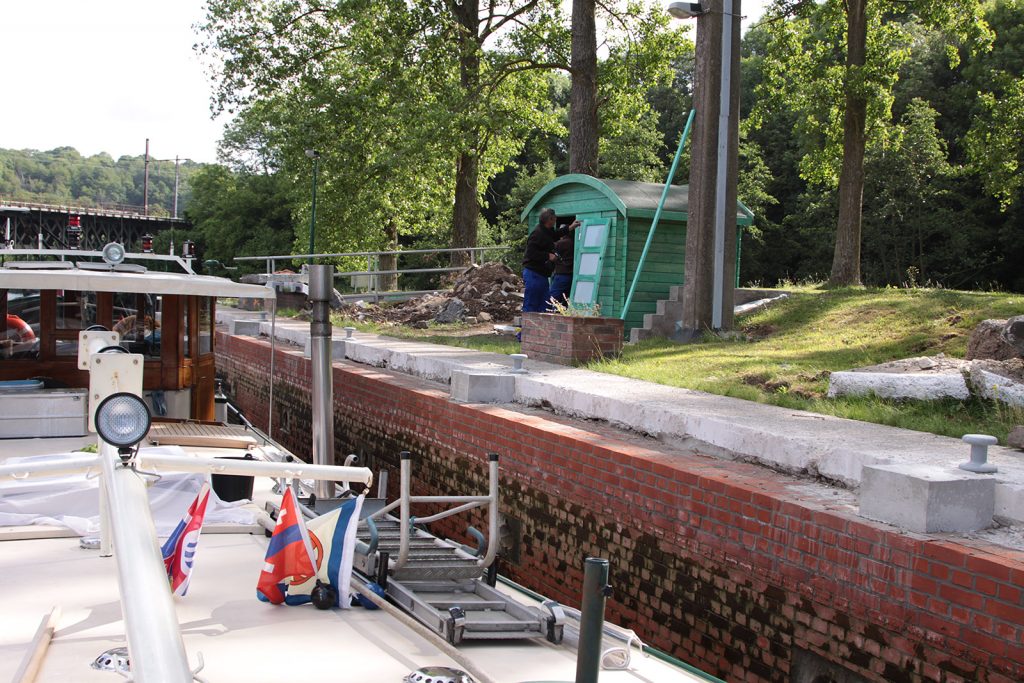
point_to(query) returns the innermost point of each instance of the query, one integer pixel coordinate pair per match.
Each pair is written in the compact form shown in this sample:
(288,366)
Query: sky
(104,75)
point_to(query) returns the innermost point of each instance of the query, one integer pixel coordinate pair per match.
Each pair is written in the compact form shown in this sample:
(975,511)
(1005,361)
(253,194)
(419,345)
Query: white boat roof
(242,640)
(149,282)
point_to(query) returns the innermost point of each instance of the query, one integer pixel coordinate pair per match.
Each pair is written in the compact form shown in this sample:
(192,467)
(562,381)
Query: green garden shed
(616,217)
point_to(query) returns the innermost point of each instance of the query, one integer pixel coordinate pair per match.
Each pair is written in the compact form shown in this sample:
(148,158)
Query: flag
(332,539)
(179,551)
(289,558)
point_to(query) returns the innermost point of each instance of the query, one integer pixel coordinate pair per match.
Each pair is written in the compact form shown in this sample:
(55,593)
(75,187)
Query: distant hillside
(63,176)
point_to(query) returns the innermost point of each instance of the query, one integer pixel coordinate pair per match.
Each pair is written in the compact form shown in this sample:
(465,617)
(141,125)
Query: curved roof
(632,197)
(142,283)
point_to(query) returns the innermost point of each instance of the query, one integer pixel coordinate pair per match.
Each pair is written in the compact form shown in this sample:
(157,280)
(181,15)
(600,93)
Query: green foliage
(63,176)
(241,214)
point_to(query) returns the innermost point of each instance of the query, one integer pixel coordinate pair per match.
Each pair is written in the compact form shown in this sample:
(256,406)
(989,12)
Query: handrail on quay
(373,270)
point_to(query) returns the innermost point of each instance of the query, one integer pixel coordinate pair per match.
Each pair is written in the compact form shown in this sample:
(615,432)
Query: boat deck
(240,638)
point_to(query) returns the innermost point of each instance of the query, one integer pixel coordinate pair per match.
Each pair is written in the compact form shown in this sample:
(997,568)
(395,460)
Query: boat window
(75,311)
(20,339)
(205,326)
(137,320)
(185,307)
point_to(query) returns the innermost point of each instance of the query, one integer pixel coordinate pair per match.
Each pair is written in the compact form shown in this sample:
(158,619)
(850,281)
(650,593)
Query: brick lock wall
(719,563)
(571,340)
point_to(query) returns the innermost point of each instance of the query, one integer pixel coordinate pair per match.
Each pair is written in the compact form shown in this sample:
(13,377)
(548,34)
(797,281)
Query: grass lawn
(791,348)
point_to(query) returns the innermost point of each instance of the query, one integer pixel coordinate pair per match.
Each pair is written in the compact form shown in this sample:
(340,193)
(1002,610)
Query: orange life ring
(19,328)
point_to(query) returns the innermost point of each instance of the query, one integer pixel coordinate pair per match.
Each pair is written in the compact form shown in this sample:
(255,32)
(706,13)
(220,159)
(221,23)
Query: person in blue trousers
(540,258)
(561,281)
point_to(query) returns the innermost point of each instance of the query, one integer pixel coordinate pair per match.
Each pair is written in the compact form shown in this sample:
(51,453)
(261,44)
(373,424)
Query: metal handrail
(371,273)
(287,257)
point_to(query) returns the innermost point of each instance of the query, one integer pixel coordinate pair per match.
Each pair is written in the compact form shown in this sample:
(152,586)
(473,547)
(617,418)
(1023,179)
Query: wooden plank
(200,434)
(33,661)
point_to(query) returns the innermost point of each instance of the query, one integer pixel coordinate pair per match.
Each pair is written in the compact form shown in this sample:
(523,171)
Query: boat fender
(360,599)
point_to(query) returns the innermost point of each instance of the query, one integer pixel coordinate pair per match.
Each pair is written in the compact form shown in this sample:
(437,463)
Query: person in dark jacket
(561,281)
(540,259)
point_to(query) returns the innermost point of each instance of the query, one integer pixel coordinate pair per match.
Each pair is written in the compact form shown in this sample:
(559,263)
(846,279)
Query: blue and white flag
(333,537)
(179,550)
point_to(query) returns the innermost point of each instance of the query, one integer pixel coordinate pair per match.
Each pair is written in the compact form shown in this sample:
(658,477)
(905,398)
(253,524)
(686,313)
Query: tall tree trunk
(389,283)
(466,212)
(846,261)
(467,207)
(583,123)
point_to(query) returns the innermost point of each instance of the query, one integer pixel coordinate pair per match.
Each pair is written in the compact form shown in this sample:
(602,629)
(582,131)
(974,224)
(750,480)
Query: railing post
(403,517)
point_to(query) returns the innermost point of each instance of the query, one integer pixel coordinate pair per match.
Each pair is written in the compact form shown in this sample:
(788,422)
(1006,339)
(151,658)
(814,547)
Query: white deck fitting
(797,441)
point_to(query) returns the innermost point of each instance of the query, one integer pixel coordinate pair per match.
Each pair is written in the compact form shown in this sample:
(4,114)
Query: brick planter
(571,340)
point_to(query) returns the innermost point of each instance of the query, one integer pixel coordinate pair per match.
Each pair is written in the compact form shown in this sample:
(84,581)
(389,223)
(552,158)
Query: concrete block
(337,349)
(996,387)
(483,387)
(923,386)
(245,328)
(927,498)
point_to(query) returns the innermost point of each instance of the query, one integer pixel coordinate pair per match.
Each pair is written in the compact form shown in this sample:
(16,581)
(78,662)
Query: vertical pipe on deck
(321,287)
(595,590)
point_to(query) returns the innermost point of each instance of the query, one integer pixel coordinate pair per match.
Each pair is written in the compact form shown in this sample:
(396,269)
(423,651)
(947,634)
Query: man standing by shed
(540,259)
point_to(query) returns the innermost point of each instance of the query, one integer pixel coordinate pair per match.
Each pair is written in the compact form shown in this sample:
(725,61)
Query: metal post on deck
(595,591)
(405,483)
(321,287)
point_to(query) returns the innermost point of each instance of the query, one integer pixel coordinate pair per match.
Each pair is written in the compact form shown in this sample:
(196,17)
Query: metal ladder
(441,584)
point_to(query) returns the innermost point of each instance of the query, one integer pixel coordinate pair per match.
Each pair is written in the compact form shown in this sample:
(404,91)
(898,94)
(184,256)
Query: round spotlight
(122,419)
(113,254)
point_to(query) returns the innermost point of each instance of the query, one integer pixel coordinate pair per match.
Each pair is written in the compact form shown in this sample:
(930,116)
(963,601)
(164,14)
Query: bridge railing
(105,208)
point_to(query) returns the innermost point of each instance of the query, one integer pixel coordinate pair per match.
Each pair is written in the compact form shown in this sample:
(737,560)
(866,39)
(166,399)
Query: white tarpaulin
(72,501)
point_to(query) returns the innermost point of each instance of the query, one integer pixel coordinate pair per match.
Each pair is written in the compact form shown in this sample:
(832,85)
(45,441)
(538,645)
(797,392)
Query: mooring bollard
(979,453)
(349,331)
(517,363)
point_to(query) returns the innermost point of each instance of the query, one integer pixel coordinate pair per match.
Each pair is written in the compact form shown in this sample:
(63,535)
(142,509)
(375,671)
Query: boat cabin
(168,318)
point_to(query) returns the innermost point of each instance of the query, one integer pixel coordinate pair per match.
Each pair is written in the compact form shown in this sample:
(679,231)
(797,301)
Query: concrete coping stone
(831,448)
(927,498)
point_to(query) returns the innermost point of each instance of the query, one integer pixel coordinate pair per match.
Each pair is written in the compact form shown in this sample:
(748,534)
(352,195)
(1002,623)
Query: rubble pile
(490,292)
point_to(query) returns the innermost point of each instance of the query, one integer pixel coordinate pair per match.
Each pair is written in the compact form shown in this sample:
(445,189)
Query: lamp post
(315,156)
(707,298)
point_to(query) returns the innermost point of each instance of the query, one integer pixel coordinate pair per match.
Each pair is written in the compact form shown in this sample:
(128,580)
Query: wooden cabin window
(137,320)
(186,318)
(75,311)
(205,327)
(22,333)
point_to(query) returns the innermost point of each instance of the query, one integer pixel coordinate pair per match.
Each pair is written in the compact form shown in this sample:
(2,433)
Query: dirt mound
(490,292)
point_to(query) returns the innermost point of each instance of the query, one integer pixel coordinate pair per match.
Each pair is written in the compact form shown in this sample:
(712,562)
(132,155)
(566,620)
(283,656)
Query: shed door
(591,242)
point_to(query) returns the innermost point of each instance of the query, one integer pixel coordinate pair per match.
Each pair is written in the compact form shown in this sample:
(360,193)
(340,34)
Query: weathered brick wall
(723,564)
(571,340)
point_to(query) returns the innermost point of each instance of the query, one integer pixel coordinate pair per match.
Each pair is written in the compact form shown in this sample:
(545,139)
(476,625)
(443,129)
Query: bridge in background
(27,221)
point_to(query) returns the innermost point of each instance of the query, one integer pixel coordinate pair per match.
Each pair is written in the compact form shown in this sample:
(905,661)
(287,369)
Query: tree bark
(583,121)
(389,283)
(466,212)
(467,208)
(699,264)
(846,261)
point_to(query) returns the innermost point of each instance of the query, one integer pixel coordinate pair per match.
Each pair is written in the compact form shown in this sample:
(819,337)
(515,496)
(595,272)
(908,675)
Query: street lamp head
(686,10)
(312,154)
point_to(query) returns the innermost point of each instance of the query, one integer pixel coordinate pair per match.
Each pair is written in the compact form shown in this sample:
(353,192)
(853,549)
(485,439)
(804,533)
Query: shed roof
(634,198)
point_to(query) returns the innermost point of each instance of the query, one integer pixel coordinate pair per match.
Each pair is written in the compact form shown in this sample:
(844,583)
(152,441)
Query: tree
(583,119)
(459,79)
(844,103)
